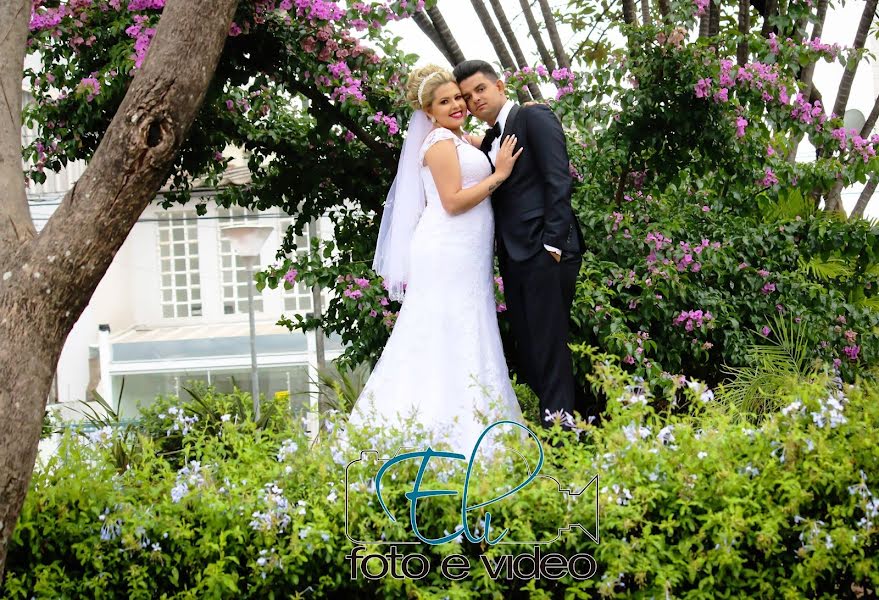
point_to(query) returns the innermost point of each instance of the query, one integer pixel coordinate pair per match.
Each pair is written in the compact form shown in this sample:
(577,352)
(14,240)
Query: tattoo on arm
(495,185)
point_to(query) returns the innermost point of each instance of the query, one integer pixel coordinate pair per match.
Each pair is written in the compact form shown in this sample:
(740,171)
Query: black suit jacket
(533,206)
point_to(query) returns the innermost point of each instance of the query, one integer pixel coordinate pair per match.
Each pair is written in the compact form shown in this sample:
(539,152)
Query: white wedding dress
(444,364)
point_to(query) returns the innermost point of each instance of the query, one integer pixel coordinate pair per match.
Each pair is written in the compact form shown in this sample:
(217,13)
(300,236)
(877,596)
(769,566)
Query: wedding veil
(403,208)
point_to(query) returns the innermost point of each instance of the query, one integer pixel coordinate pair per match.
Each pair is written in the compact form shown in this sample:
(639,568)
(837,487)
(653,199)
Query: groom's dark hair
(469,68)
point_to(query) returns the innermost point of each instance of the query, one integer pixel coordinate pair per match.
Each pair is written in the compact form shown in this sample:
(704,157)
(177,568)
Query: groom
(539,242)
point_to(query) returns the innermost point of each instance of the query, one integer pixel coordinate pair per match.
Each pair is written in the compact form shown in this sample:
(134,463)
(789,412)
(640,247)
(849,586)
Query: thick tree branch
(630,16)
(744,30)
(322,104)
(645,12)
(714,18)
(497,42)
(442,28)
(851,66)
(864,198)
(870,123)
(514,44)
(16,226)
(425,25)
(534,30)
(806,73)
(553,32)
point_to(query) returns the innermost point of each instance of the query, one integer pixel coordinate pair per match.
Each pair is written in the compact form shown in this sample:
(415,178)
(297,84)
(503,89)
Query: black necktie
(491,135)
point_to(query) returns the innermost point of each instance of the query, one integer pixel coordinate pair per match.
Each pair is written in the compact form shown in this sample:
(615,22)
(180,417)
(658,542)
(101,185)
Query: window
(299,298)
(234,277)
(178,254)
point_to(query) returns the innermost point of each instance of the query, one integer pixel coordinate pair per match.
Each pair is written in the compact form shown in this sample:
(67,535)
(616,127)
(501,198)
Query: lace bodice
(474,164)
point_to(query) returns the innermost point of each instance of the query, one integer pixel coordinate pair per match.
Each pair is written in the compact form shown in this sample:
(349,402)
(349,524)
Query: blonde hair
(426,80)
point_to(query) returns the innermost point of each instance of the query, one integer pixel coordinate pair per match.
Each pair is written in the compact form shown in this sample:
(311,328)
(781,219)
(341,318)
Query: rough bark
(833,201)
(771,11)
(704,24)
(497,42)
(555,40)
(534,29)
(870,123)
(645,12)
(864,198)
(515,48)
(442,28)
(817,31)
(424,23)
(744,30)
(48,281)
(16,226)
(851,66)
(713,18)
(807,72)
(664,9)
(630,15)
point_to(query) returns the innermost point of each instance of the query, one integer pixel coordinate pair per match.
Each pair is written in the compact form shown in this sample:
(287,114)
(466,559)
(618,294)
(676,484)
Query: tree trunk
(645,12)
(744,30)
(848,76)
(553,32)
(807,72)
(494,36)
(545,56)
(514,44)
(833,200)
(704,24)
(425,25)
(497,42)
(817,30)
(771,10)
(629,14)
(870,123)
(864,198)
(664,9)
(48,281)
(16,226)
(714,18)
(442,28)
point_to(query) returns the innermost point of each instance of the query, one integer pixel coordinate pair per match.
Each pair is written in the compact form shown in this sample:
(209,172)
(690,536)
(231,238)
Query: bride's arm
(442,159)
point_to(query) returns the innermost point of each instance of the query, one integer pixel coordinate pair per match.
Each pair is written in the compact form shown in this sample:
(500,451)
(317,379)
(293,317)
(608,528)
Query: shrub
(693,503)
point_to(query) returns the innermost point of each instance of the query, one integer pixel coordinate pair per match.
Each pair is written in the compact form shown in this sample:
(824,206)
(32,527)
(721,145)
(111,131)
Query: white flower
(331,497)
(794,406)
(225,417)
(666,434)
(702,455)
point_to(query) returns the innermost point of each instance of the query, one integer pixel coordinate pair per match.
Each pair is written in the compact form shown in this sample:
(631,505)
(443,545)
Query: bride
(443,366)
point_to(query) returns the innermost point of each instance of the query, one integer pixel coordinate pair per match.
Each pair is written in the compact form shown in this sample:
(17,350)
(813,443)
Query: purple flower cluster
(143,37)
(692,319)
(90,86)
(852,141)
(389,121)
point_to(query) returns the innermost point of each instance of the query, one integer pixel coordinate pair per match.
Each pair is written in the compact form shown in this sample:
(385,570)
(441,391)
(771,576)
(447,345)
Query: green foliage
(693,504)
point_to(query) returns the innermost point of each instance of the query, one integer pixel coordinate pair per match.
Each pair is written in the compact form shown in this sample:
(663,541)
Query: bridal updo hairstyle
(417,77)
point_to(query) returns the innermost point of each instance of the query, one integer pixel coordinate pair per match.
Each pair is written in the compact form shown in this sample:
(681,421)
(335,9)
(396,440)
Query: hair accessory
(421,87)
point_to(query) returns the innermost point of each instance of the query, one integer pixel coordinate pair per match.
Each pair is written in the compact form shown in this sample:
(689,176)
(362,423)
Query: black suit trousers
(539,293)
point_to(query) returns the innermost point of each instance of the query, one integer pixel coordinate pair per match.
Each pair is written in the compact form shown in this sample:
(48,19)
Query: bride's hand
(506,160)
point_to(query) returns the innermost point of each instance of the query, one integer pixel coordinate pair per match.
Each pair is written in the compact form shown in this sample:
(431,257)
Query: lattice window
(178,255)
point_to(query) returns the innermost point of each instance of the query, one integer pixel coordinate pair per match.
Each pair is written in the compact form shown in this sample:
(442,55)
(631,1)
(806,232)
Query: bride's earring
(433,119)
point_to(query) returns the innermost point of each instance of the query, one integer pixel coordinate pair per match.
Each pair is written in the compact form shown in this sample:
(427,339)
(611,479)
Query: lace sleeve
(437,135)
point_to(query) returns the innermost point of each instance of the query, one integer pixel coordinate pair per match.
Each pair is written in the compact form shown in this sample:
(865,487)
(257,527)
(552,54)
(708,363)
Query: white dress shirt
(496,145)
